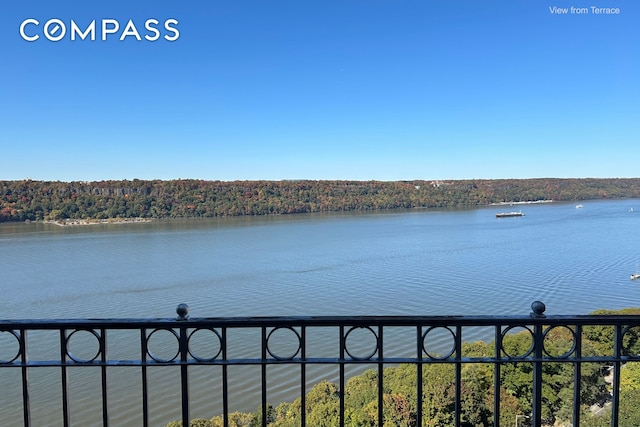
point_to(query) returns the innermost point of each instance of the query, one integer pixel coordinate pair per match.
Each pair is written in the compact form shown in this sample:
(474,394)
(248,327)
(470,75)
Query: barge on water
(508,214)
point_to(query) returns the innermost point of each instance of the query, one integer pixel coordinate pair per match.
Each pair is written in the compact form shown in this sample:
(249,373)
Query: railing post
(66,419)
(26,402)
(342,379)
(143,373)
(617,353)
(263,375)
(496,376)
(577,374)
(538,341)
(380,376)
(225,380)
(419,396)
(183,314)
(458,376)
(103,373)
(303,376)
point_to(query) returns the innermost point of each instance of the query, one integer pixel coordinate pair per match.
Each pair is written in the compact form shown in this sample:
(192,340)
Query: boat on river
(635,276)
(508,214)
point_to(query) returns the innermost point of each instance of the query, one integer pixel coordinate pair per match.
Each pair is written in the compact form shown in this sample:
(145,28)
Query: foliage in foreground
(477,397)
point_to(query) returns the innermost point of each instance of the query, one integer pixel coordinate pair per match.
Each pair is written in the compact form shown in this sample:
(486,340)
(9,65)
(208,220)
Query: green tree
(396,410)
(196,422)
(323,405)
(236,419)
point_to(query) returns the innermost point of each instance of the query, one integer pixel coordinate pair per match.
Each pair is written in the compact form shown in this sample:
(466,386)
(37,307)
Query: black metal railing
(184,343)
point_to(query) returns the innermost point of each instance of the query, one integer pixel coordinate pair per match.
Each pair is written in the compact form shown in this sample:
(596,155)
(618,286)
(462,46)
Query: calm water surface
(420,262)
(423,262)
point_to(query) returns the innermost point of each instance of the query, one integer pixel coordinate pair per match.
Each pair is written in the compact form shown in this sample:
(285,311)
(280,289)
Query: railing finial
(183,311)
(538,308)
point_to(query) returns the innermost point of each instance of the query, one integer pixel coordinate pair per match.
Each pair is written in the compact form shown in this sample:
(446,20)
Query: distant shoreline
(532,202)
(74,222)
(79,222)
(97,201)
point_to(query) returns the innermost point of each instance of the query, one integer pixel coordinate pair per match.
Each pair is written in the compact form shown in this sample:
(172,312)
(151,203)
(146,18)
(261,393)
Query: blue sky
(322,89)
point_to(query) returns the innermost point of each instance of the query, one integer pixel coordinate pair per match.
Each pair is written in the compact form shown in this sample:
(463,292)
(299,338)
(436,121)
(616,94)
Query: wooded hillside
(54,200)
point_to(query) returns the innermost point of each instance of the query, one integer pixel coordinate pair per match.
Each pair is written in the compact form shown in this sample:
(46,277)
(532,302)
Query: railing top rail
(239,322)
(536,317)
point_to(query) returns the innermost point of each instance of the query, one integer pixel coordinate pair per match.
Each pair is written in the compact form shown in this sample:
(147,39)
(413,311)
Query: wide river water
(419,262)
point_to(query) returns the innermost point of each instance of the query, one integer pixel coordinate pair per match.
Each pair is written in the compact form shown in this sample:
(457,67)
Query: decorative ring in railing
(191,344)
(630,342)
(276,334)
(567,353)
(351,331)
(512,328)
(5,338)
(157,333)
(432,355)
(79,335)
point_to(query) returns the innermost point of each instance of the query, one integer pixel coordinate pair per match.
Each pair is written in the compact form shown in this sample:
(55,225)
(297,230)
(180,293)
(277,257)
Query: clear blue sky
(322,89)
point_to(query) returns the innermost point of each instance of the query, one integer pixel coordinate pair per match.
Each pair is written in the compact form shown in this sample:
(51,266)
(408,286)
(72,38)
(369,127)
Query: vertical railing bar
(24,357)
(184,374)
(536,404)
(419,377)
(342,382)
(496,375)
(458,358)
(380,377)
(64,378)
(103,373)
(615,398)
(264,376)
(143,371)
(303,376)
(577,375)
(225,379)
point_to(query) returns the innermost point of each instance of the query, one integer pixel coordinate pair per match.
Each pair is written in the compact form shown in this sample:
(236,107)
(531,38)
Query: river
(418,262)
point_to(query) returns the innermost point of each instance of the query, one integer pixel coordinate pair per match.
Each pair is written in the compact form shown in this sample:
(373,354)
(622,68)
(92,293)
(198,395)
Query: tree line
(29,200)
(322,404)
